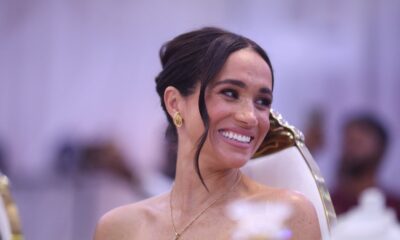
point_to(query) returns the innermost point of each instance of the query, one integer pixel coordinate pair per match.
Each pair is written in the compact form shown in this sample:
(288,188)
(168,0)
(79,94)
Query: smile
(236,136)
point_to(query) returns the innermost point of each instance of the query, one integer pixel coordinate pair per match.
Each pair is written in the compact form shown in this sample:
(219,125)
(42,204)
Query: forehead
(246,65)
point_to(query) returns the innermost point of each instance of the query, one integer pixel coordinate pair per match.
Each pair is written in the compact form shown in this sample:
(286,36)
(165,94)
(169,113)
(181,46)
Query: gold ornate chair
(284,161)
(10,228)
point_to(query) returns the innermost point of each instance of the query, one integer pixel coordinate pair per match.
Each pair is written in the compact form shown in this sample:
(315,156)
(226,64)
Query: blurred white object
(370,220)
(260,220)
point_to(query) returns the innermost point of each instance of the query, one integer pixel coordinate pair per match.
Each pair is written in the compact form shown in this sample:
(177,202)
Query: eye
(263,102)
(230,93)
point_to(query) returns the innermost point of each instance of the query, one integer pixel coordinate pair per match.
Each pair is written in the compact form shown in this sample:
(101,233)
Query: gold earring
(178,120)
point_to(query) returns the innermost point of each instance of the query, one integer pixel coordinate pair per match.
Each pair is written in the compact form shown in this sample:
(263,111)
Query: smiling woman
(216,90)
(240,97)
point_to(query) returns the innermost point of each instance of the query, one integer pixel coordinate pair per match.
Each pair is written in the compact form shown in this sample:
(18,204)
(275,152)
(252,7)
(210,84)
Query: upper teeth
(236,136)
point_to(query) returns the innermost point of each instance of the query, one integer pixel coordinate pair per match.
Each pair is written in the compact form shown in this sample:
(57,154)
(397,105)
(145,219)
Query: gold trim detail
(11,208)
(178,120)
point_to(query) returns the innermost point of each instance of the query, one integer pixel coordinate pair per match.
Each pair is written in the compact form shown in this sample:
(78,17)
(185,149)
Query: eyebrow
(241,84)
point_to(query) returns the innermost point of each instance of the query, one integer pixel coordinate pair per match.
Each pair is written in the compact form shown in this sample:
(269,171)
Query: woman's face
(238,103)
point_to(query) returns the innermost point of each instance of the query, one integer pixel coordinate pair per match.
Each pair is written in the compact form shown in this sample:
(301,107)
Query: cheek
(218,110)
(268,126)
(265,124)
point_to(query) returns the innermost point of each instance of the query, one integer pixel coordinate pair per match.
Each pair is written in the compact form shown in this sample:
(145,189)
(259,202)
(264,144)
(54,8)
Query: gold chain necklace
(179,234)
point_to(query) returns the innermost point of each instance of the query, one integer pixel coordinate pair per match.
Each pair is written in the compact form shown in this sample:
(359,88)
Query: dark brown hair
(197,57)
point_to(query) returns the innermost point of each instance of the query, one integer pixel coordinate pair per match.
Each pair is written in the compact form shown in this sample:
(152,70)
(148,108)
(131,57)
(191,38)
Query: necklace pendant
(177,236)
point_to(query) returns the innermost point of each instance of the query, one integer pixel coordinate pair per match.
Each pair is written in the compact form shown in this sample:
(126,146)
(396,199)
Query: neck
(190,193)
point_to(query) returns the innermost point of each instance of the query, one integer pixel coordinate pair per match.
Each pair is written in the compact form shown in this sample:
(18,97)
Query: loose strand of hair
(204,115)
(200,145)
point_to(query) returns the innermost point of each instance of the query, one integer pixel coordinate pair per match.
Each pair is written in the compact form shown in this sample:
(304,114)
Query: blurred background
(81,127)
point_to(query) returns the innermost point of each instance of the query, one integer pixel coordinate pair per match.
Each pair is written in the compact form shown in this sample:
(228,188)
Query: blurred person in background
(365,140)
(99,159)
(94,156)
(3,160)
(314,132)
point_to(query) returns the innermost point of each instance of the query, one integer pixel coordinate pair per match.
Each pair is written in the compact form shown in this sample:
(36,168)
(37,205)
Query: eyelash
(264,102)
(233,94)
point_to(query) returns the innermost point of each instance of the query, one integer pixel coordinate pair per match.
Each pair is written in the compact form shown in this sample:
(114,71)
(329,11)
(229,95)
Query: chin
(235,160)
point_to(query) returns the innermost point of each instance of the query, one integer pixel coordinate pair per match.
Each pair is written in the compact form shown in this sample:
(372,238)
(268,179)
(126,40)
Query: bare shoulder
(304,220)
(125,222)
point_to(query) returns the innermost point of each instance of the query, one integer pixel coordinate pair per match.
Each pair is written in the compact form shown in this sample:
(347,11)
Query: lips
(242,138)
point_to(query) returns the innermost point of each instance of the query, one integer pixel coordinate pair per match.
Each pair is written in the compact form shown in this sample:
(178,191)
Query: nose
(246,114)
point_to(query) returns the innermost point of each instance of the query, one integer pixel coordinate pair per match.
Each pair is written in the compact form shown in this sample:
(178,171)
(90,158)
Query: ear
(173,100)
